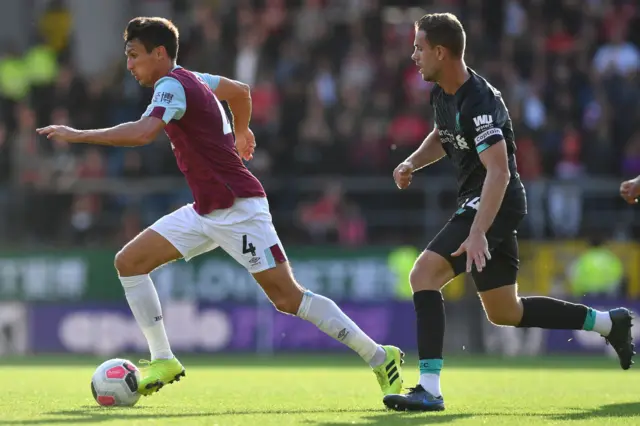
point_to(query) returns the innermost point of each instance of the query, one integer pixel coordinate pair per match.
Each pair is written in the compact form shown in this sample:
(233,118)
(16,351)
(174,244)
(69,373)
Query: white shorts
(245,231)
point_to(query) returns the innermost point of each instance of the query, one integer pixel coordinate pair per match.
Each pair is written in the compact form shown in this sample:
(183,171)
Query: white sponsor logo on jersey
(482,120)
(445,136)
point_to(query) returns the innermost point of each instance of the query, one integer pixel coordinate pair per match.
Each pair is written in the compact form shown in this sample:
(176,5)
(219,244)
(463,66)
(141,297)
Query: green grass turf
(331,390)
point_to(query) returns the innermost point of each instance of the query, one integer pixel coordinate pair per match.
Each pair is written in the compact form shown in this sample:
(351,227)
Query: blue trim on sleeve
(482,147)
(169,94)
(212,80)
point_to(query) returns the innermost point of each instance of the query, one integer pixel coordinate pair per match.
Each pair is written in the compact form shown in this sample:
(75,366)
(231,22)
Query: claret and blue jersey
(202,139)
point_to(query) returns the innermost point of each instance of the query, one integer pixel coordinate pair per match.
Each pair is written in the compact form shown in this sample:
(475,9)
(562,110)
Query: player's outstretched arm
(137,133)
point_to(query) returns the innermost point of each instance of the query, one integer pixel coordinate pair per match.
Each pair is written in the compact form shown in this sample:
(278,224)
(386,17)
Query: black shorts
(503,267)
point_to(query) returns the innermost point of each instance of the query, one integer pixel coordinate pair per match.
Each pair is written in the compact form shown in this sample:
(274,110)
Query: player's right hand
(630,190)
(245,143)
(60,133)
(403,174)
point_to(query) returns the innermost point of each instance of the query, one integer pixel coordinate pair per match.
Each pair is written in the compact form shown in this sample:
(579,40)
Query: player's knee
(121,263)
(504,316)
(127,265)
(281,288)
(429,273)
(287,303)
(421,278)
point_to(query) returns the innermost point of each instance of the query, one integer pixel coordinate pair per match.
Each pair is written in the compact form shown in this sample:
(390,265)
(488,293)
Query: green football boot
(389,373)
(157,373)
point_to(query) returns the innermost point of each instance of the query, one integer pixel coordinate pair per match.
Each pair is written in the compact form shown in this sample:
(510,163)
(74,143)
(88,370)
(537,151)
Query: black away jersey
(468,123)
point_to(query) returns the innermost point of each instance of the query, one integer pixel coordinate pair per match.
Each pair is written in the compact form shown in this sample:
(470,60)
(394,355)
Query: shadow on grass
(393,418)
(91,414)
(626,410)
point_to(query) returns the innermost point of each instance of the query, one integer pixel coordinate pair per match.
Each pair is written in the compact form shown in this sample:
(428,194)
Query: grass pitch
(331,390)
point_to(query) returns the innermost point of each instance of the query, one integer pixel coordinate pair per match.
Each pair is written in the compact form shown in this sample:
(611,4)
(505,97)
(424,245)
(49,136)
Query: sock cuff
(134,280)
(589,320)
(528,304)
(305,304)
(430,366)
(426,296)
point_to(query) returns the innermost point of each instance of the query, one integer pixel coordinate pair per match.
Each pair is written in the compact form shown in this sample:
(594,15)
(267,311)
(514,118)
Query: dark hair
(152,33)
(443,29)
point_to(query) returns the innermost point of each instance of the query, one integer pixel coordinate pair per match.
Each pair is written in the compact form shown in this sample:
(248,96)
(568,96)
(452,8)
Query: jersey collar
(177,67)
(462,89)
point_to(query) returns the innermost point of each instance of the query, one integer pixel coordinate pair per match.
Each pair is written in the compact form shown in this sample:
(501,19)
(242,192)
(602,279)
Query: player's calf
(504,307)
(290,297)
(430,273)
(134,262)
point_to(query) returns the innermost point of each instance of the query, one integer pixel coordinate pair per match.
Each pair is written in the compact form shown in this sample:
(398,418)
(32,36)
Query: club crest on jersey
(461,143)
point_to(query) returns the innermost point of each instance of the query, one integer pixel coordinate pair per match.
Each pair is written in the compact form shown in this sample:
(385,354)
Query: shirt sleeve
(479,123)
(212,80)
(169,100)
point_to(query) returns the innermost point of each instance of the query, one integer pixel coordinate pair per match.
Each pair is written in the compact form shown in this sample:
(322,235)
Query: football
(115,383)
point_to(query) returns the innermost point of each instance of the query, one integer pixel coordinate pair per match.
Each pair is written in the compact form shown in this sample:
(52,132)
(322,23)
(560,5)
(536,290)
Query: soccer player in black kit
(474,130)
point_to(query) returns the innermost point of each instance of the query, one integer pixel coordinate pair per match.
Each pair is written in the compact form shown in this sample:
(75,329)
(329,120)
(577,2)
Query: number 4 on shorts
(473,203)
(247,247)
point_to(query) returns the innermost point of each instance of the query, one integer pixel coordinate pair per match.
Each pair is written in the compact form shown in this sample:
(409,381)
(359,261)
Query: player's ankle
(378,357)
(598,321)
(431,383)
(162,355)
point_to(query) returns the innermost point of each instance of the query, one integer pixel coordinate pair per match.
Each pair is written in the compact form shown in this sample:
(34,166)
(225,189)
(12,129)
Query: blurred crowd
(334,93)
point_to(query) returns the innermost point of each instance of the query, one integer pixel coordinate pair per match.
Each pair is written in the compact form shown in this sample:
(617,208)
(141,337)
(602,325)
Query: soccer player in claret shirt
(230,209)
(473,129)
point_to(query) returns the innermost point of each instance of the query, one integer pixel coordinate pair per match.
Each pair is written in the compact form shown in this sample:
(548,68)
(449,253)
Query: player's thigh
(255,245)
(174,236)
(496,284)
(147,251)
(502,269)
(435,267)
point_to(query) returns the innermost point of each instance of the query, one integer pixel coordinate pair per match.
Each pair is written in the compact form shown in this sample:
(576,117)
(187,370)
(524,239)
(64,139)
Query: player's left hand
(630,190)
(60,133)
(245,143)
(477,248)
